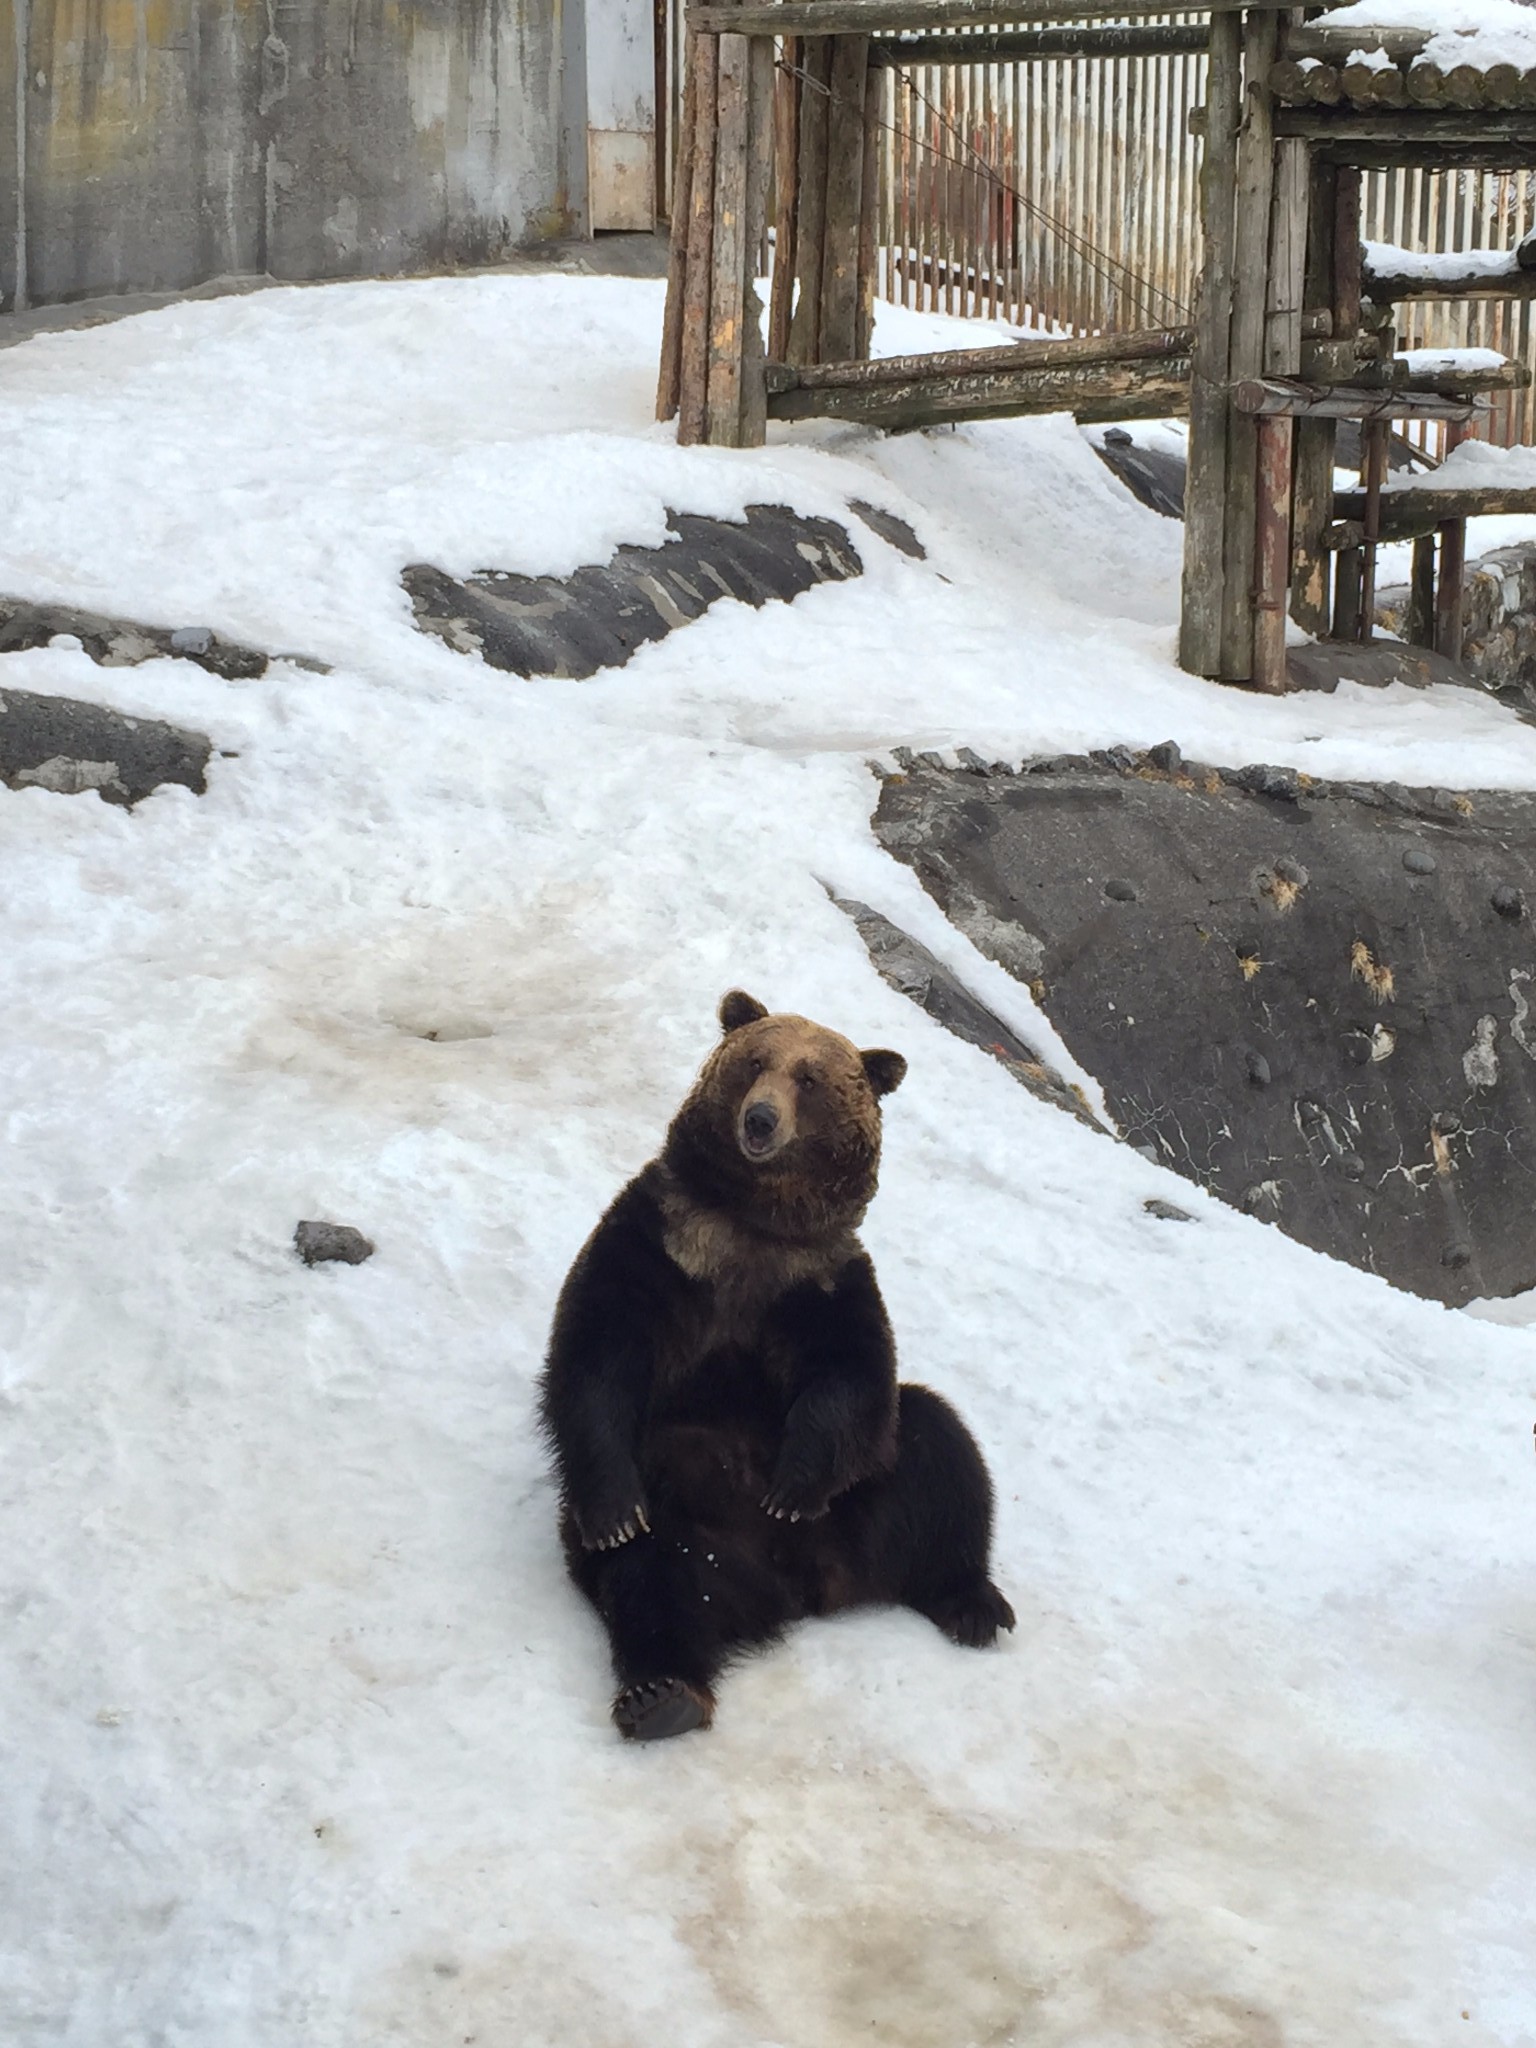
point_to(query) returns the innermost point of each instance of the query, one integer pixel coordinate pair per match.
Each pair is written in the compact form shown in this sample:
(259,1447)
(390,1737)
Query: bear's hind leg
(935,1524)
(677,1607)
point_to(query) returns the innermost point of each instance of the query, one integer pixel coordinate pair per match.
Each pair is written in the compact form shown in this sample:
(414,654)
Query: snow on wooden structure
(1294,328)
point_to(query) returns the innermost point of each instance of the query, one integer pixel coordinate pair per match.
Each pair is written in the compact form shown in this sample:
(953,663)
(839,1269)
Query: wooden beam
(1290,398)
(894,17)
(1090,391)
(1407,513)
(1035,46)
(1010,358)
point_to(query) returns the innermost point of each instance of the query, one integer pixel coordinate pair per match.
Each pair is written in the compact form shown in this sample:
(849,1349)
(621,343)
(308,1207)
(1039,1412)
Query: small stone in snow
(1418,862)
(1147,1152)
(1156,1206)
(191,640)
(318,1243)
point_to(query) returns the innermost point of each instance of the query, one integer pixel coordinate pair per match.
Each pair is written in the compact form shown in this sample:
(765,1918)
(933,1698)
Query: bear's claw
(660,1707)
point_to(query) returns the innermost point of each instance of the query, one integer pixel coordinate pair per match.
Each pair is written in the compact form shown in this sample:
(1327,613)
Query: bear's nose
(760,1122)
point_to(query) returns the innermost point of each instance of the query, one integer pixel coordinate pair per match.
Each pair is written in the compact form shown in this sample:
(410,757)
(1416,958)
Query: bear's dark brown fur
(733,1449)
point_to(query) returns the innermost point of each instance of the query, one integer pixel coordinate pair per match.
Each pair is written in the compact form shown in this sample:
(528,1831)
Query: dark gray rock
(322,1243)
(1392,1017)
(1166,755)
(1155,1206)
(914,972)
(69,746)
(572,626)
(1418,862)
(1262,780)
(891,527)
(124,643)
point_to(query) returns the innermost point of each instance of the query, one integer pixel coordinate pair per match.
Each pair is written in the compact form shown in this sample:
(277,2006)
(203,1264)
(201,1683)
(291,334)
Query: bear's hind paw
(660,1707)
(972,1618)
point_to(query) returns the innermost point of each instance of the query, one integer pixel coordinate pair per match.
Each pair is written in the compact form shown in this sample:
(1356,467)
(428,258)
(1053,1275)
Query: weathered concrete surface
(1316,1002)
(151,144)
(575,625)
(71,747)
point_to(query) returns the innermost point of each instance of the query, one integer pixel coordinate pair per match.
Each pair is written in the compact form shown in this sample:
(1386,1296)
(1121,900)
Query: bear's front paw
(612,1531)
(791,1500)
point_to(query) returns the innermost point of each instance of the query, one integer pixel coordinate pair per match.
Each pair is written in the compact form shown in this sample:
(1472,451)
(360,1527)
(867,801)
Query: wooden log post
(837,339)
(1272,554)
(1449,596)
(1209,409)
(1250,302)
(693,382)
(1419,626)
(1312,484)
(869,213)
(1374,436)
(760,113)
(811,182)
(786,171)
(730,256)
(670,378)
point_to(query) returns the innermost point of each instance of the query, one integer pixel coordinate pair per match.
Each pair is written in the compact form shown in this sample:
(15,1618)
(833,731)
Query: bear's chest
(739,1279)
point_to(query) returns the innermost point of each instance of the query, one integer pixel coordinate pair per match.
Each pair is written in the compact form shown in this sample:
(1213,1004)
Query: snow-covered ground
(303,1737)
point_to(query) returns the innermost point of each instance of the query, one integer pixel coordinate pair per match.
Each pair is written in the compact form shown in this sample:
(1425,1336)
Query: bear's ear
(739,1008)
(885,1071)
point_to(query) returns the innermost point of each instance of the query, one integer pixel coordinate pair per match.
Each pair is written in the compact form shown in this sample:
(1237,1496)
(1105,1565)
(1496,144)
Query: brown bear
(720,1394)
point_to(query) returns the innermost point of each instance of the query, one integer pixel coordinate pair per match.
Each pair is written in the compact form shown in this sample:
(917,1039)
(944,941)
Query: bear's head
(783,1123)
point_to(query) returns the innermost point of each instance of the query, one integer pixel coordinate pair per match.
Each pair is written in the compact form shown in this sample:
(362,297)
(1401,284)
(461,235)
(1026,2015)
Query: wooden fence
(1060,194)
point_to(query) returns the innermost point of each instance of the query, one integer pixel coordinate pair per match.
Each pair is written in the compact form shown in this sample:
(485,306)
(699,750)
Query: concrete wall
(153,144)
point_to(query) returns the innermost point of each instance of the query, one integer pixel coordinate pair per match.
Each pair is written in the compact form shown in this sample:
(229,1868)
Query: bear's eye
(756,1065)
(808,1083)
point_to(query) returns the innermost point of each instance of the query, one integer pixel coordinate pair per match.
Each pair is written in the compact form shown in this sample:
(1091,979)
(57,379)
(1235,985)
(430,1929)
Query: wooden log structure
(1293,331)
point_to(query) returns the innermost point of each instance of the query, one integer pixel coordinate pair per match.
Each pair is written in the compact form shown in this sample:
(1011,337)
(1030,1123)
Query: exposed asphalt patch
(1318,1000)
(71,747)
(570,627)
